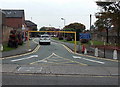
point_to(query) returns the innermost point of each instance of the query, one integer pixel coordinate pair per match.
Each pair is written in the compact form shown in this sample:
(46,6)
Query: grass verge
(55,38)
(89,43)
(6,48)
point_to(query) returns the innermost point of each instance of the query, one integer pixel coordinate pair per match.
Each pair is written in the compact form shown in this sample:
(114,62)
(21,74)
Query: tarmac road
(58,62)
(58,53)
(58,80)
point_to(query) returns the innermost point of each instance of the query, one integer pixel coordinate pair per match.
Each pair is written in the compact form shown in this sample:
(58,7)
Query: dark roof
(13,13)
(103,3)
(30,23)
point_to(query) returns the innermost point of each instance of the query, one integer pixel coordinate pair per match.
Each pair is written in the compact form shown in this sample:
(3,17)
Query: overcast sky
(49,12)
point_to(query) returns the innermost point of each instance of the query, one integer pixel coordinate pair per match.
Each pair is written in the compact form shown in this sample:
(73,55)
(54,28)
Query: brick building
(14,18)
(31,27)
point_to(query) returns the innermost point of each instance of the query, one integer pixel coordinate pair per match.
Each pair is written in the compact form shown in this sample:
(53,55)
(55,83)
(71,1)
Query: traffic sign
(85,36)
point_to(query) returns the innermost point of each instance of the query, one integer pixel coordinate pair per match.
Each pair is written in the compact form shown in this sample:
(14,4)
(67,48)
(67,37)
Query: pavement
(20,50)
(60,70)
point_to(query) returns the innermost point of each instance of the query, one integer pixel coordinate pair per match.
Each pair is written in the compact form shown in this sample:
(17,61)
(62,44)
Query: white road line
(24,58)
(19,69)
(89,59)
(45,61)
(40,69)
(77,57)
(35,41)
(94,60)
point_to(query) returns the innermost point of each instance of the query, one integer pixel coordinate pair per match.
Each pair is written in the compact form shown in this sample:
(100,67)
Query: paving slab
(9,68)
(20,50)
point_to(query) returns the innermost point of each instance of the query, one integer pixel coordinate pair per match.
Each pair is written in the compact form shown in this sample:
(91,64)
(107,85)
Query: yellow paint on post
(75,43)
(28,41)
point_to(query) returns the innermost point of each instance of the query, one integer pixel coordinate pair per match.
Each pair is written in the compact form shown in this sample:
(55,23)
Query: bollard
(115,54)
(1,47)
(29,49)
(96,52)
(85,52)
(91,43)
(83,49)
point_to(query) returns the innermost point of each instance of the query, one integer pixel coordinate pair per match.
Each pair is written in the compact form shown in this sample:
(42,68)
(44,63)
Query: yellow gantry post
(58,32)
(28,40)
(75,43)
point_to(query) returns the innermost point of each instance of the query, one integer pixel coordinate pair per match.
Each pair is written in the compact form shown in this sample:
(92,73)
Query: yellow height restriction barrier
(55,32)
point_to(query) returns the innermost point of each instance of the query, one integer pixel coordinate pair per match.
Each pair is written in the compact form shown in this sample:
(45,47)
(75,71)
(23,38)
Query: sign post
(85,37)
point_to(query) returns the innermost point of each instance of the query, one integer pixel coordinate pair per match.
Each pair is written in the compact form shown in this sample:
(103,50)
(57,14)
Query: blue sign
(85,36)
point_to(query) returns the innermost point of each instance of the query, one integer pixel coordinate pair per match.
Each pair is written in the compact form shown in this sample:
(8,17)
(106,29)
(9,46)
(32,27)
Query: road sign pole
(104,49)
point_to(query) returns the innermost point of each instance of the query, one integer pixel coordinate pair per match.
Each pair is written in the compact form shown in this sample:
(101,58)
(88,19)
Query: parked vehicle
(13,40)
(44,39)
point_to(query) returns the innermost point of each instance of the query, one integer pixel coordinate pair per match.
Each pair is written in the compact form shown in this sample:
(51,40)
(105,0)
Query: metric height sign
(85,36)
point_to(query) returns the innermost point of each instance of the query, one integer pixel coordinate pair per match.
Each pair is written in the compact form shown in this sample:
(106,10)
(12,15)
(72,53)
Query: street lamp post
(64,26)
(90,21)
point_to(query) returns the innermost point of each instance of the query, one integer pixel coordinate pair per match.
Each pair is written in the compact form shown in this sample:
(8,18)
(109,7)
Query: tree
(78,27)
(47,29)
(104,23)
(114,10)
(110,15)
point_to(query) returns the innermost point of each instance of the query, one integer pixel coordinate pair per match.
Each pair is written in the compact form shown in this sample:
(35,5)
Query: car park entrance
(68,32)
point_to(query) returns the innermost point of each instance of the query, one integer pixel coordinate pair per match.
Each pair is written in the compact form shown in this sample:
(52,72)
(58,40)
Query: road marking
(77,57)
(25,58)
(45,61)
(19,69)
(28,69)
(89,59)
(35,41)
(53,54)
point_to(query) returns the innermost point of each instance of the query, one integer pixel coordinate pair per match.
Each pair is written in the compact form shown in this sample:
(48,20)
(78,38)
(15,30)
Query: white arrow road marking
(88,59)
(24,58)
(77,57)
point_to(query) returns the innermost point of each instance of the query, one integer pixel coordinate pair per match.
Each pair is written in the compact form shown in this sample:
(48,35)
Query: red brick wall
(14,22)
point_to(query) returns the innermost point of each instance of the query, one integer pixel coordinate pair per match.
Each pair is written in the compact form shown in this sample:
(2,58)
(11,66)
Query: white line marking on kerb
(24,58)
(89,59)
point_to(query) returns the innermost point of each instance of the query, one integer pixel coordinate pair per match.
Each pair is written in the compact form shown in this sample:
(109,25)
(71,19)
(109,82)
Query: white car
(44,39)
